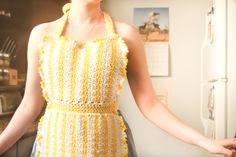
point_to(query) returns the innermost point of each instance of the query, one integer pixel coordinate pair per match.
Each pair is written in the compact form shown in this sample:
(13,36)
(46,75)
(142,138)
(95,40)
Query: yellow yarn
(94,109)
(66,7)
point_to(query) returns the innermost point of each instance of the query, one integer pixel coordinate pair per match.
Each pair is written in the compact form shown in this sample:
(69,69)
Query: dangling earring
(66,8)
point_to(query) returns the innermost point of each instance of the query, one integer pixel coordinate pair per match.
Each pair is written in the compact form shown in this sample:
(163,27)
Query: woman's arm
(145,97)
(32,102)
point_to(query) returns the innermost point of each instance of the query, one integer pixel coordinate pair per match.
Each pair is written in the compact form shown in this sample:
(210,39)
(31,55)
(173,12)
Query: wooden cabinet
(24,15)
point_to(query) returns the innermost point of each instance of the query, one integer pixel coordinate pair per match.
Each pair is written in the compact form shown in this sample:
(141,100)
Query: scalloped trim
(81,43)
(94,40)
(39,137)
(124,140)
(123,71)
(40,68)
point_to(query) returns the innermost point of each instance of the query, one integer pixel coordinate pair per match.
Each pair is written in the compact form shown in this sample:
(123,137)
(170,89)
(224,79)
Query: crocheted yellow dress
(81,83)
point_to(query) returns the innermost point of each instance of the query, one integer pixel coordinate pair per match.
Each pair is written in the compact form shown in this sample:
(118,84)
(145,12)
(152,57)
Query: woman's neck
(85,12)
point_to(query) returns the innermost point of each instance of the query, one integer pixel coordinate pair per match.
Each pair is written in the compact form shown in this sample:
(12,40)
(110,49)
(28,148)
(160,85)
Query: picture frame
(153,26)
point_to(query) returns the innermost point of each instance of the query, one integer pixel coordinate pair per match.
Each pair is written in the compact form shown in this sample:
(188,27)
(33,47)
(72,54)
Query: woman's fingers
(227,152)
(229,143)
(225,147)
(228,146)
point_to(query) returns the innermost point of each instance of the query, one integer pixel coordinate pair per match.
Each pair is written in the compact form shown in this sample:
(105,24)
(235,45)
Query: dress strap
(109,23)
(60,28)
(66,8)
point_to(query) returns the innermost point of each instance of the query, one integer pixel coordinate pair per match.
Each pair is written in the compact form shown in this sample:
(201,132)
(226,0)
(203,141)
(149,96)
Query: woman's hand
(145,97)
(225,147)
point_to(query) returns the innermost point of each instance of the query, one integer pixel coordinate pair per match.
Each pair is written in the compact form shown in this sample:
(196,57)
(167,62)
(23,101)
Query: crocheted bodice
(89,72)
(81,82)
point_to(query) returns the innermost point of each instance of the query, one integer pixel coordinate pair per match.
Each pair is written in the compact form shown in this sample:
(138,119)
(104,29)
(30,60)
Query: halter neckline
(109,25)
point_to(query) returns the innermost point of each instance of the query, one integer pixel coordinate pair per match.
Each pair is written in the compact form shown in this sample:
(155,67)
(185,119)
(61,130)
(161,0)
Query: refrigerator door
(208,62)
(213,70)
(208,51)
(231,89)
(213,110)
(221,38)
(220,109)
(208,109)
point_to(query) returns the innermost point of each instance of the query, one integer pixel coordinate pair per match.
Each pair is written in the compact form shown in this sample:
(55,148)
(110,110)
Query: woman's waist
(84,108)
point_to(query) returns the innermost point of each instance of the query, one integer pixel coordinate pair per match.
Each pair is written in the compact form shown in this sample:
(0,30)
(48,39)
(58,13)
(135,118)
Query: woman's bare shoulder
(39,31)
(46,28)
(127,31)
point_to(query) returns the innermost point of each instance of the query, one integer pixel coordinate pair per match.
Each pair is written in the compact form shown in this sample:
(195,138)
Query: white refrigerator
(218,71)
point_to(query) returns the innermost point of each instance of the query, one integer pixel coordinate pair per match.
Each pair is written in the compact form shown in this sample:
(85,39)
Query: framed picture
(153,26)
(152,23)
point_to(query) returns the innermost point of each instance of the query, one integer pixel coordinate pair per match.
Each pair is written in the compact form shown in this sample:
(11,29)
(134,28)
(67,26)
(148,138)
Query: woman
(83,57)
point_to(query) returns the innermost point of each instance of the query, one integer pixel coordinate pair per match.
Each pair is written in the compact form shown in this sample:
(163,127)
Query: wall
(186,35)
(231,48)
